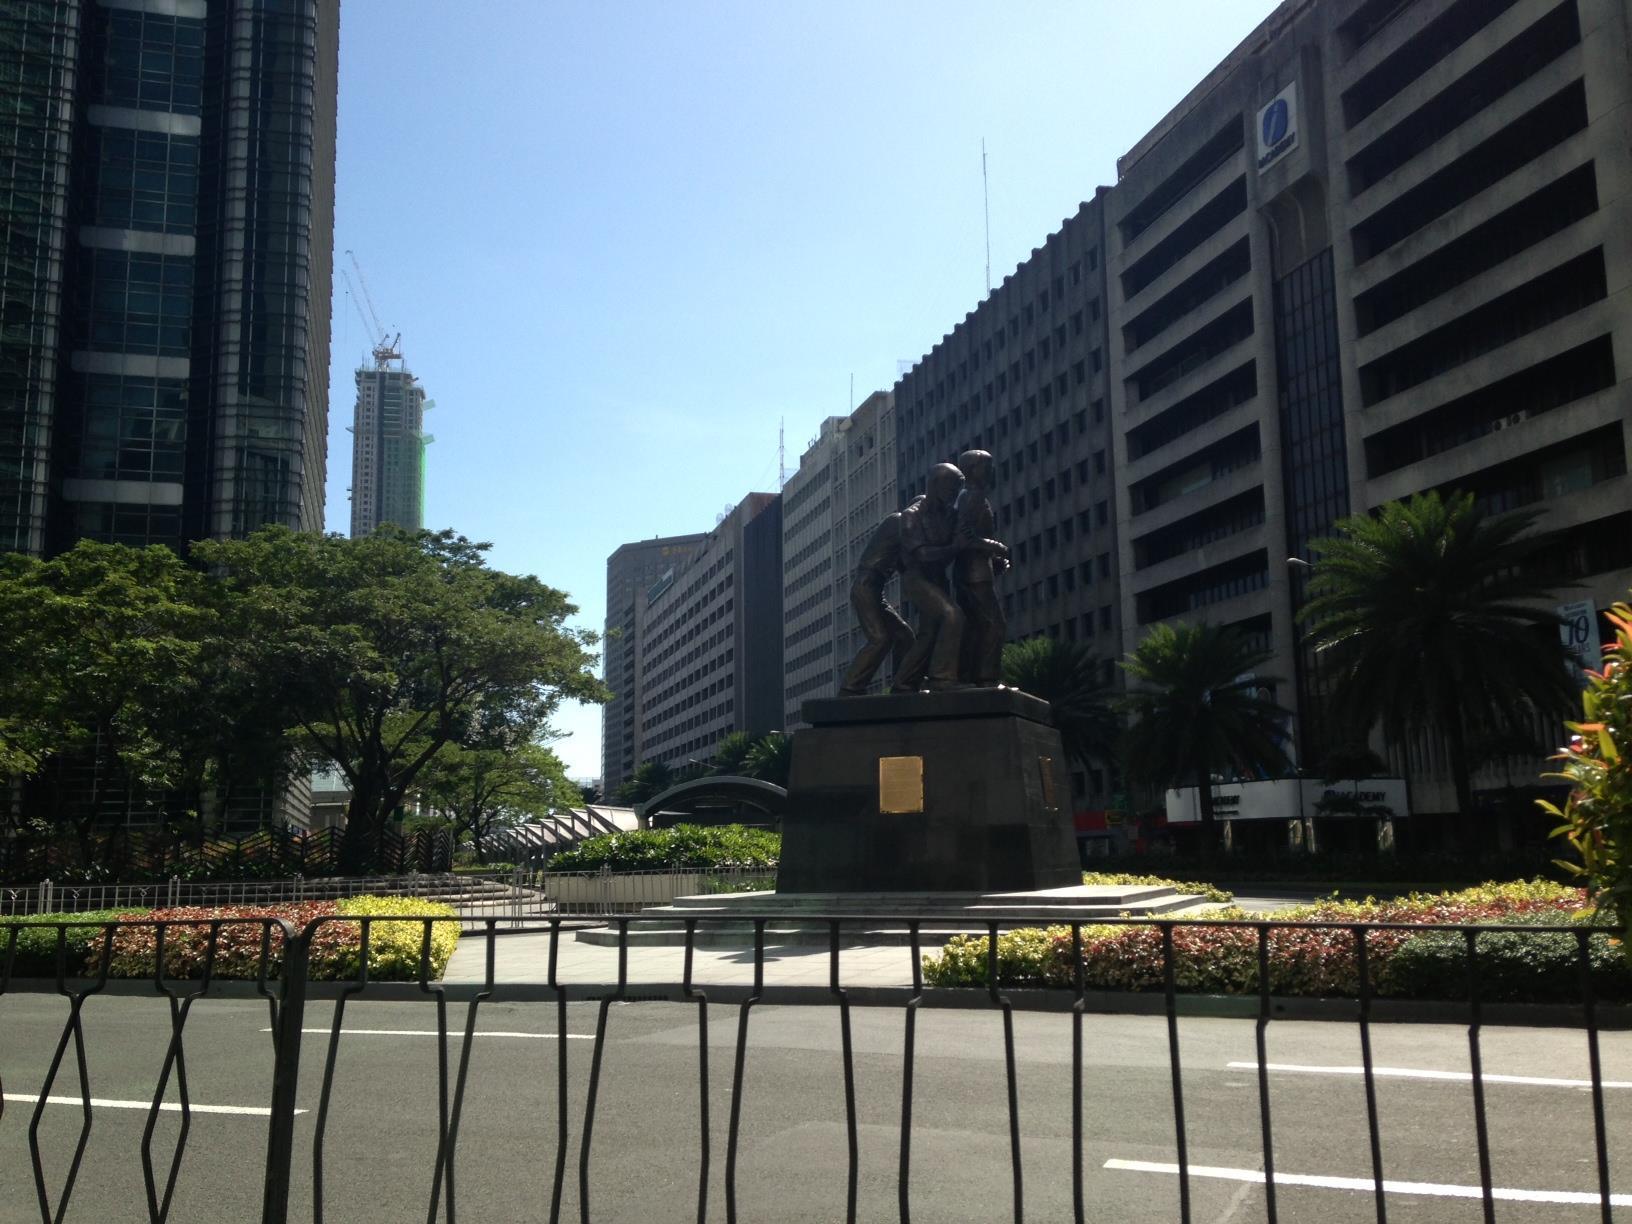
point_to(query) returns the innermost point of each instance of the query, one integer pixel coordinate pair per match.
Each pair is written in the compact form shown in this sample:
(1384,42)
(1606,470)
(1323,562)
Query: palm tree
(770,758)
(1430,624)
(1198,712)
(1067,676)
(731,753)
(651,778)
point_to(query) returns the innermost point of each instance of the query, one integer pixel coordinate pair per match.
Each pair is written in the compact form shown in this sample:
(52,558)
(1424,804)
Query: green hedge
(394,948)
(702,847)
(1512,966)
(36,954)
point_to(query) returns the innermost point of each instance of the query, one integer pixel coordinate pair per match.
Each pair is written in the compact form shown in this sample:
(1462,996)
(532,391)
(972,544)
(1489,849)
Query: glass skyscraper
(167,193)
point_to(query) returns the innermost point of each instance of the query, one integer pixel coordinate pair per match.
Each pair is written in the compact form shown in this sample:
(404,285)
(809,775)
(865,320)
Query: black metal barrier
(278,968)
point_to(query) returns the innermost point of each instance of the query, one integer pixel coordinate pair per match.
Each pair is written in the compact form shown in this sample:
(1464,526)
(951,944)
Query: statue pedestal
(962,791)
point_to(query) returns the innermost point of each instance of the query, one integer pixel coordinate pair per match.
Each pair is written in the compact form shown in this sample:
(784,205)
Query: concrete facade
(843,488)
(1024,377)
(708,642)
(631,571)
(1383,248)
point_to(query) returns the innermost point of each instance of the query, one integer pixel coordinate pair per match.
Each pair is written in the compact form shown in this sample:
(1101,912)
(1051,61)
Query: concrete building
(830,507)
(631,571)
(1384,247)
(1024,377)
(708,638)
(388,448)
(167,192)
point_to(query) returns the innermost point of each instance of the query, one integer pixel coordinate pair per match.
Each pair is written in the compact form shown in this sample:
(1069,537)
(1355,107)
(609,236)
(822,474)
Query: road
(380,1134)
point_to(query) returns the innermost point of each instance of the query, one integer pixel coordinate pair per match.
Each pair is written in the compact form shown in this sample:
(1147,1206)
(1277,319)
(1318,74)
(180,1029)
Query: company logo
(1278,127)
(1277,120)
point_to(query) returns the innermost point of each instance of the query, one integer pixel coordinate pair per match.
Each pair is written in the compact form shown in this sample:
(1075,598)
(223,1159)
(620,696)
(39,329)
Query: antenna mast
(986,208)
(781,453)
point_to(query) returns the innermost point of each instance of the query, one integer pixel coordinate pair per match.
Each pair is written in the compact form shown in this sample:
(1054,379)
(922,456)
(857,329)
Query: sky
(625,243)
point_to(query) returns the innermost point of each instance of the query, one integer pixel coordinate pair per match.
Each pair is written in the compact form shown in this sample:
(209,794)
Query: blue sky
(623,241)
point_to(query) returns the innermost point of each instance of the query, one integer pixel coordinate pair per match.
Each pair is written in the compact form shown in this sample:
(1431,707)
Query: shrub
(395,949)
(394,952)
(1596,820)
(688,846)
(36,954)
(1319,962)
(1211,892)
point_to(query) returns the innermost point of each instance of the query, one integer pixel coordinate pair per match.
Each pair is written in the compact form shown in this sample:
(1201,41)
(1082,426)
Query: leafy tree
(770,758)
(1197,712)
(731,754)
(1596,819)
(1426,615)
(483,789)
(395,646)
(102,644)
(1067,676)
(588,794)
(651,778)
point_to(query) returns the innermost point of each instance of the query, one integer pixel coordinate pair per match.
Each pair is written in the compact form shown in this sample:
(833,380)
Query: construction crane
(385,351)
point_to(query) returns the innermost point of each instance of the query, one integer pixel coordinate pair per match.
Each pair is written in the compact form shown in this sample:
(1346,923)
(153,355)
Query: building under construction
(388,447)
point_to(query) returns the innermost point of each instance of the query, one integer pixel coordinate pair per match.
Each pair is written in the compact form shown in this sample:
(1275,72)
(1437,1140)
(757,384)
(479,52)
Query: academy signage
(1278,127)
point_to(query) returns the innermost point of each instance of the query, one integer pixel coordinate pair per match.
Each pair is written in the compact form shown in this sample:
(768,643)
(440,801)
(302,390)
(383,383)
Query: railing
(271,961)
(513,896)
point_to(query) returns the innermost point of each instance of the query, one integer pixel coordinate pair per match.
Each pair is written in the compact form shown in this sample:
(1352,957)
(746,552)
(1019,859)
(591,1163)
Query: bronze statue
(978,561)
(928,542)
(917,542)
(887,633)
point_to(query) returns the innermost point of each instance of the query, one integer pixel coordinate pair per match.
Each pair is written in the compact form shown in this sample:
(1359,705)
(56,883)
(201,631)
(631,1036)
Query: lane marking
(452,1033)
(1433,1189)
(253,1111)
(1463,1077)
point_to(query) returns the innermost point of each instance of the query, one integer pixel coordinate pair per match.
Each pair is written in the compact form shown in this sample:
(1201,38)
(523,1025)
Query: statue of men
(887,633)
(928,542)
(979,560)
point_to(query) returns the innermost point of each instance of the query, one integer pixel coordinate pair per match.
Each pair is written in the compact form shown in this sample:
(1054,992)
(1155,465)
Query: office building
(1023,376)
(631,571)
(830,508)
(167,195)
(388,447)
(709,641)
(1383,248)
(167,190)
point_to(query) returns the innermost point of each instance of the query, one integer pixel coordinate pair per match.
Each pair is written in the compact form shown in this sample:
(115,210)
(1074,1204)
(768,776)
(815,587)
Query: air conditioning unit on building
(1510,420)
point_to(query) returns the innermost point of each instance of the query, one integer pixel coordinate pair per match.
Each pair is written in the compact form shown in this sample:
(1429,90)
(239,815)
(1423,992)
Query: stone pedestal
(964,791)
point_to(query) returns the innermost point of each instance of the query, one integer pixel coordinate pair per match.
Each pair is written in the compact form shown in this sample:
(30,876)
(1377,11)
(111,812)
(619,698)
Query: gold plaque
(901,784)
(1045,768)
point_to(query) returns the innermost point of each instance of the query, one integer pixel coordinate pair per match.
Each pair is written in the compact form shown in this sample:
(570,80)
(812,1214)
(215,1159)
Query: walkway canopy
(717,799)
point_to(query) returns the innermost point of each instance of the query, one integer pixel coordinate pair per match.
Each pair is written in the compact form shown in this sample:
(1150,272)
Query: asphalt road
(380,1134)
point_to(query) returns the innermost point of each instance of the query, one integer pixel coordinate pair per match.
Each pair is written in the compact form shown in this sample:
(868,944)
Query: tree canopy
(1067,676)
(397,645)
(1432,620)
(1197,710)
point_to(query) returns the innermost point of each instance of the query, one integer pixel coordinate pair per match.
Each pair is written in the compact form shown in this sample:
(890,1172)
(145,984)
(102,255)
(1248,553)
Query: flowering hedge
(394,948)
(1321,962)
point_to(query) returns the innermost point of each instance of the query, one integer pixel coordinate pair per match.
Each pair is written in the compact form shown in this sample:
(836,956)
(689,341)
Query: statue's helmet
(944,482)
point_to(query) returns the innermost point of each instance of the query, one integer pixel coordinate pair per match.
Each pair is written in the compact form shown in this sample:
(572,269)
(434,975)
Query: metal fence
(270,960)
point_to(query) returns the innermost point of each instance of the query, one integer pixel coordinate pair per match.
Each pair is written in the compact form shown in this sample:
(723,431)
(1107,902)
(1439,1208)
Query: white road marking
(253,1111)
(1434,1189)
(357,1032)
(1540,1081)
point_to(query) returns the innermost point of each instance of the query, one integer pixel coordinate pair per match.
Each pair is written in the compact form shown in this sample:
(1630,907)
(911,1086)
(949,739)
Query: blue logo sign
(1277,119)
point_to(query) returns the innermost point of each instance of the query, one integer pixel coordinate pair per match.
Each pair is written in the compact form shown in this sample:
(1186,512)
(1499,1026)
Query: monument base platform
(959,792)
(873,919)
